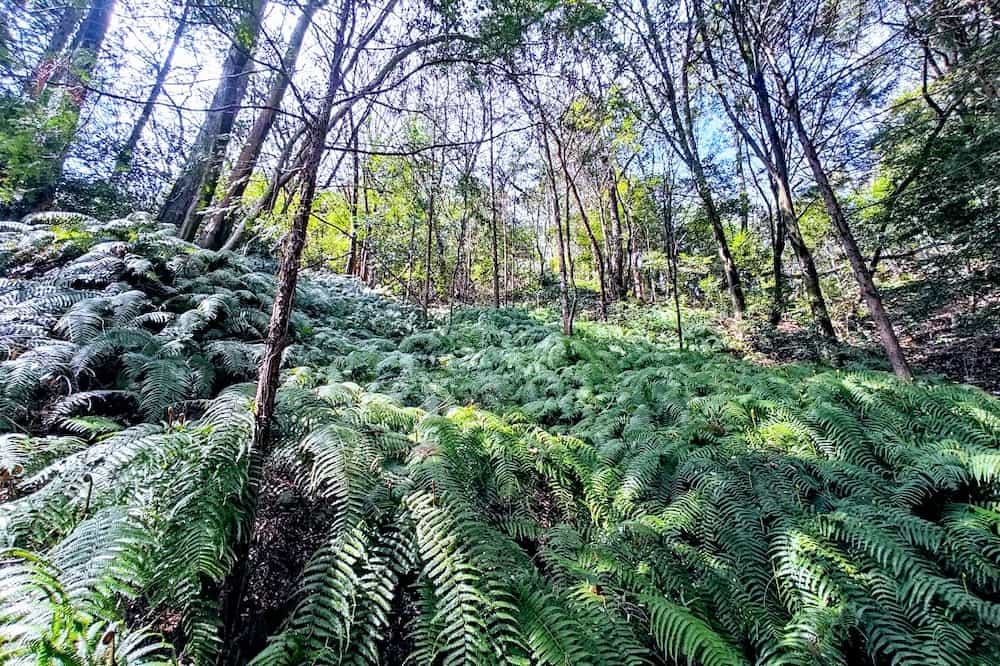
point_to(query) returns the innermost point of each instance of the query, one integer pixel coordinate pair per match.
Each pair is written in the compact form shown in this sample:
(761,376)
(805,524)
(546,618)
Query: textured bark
(428,246)
(869,292)
(63,31)
(672,251)
(195,187)
(355,203)
(277,331)
(220,222)
(778,225)
(773,155)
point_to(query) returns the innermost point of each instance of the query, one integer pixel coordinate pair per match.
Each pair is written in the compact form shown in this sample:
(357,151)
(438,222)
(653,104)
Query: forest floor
(935,347)
(557,499)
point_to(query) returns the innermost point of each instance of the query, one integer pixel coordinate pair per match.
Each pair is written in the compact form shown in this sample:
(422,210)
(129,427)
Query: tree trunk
(778,227)
(595,247)
(686,146)
(870,293)
(617,257)
(564,306)
(79,68)
(69,17)
(427,256)
(127,152)
(277,331)
(672,250)
(219,223)
(196,185)
(781,182)
(352,255)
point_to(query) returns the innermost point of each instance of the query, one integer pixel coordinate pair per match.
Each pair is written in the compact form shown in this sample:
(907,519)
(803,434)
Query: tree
(793,58)
(658,36)
(68,83)
(771,149)
(194,189)
(127,151)
(219,223)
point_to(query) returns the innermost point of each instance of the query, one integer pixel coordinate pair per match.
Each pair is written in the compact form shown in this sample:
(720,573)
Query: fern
(496,492)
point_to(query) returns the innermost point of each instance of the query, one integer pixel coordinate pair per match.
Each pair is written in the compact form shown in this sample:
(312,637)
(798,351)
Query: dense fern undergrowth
(494,492)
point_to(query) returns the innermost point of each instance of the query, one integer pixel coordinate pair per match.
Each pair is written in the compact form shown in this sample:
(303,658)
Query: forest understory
(472,486)
(500,332)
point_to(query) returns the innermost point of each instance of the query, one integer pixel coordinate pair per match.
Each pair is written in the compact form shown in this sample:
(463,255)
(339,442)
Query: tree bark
(63,31)
(196,185)
(218,224)
(672,250)
(869,292)
(779,227)
(617,258)
(80,66)
(773,156)
(352,254)
(277,329)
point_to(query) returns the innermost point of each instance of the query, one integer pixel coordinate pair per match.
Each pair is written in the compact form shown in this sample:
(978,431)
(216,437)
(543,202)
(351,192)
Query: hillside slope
(479,489)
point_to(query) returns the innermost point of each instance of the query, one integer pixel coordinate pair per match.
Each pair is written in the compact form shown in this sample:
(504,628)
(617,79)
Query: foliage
(505,493)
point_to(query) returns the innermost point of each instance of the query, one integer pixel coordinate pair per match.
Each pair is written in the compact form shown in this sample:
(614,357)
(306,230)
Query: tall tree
(72,79)
(219,223)
(802,52)
(194,189)
(127,151)
(771,149)
(672,66)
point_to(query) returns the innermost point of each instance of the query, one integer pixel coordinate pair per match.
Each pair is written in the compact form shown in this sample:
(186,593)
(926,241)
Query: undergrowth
(507,494)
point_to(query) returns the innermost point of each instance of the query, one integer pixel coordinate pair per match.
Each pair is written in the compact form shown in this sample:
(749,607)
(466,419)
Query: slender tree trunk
(672,250)
(781,182)
(617,257)
(427,257)
(870,293)
(741,179)
(510,266)
(778,228)
(595,247)
(275,339)
(365,262)
(494,222)
(564,305)
(686,146)
(196,185)
(127,152)
(569,256)
(602,216)
(352,255)
(218,224)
